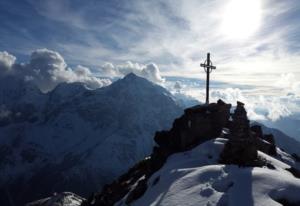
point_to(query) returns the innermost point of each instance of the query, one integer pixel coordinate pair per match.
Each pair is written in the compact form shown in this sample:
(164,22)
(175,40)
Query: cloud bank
(149,71)
(262,104)
(46,69)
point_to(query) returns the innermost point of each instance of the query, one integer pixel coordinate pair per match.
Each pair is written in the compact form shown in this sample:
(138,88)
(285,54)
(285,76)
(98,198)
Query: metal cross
(208,67)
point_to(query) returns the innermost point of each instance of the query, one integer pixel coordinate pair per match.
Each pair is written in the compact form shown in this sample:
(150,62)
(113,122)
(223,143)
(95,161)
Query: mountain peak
(131,75)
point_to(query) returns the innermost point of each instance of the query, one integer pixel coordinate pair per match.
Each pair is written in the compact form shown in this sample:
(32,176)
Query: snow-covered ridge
(196,178)
(189,166)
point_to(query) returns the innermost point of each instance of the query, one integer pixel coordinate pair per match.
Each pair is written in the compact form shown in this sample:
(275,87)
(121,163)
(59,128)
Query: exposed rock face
(197,125)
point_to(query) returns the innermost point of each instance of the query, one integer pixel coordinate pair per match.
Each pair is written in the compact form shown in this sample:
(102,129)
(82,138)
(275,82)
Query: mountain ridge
(77,127)
(237,144)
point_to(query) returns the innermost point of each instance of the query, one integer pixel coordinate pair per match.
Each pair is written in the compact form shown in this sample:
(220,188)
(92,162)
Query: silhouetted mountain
(77,135)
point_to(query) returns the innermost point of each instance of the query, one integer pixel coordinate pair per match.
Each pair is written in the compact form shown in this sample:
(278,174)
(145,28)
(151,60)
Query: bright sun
(241,18)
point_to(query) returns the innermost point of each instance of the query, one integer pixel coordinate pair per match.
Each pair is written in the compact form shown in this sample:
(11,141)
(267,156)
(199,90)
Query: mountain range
(60,140)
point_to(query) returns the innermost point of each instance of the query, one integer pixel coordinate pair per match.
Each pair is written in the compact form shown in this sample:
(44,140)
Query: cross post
(208,67)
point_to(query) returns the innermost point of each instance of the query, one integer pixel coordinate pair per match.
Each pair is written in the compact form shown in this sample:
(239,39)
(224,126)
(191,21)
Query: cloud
(260,107)
(149,71)
(174,35)
(289,83)
(6,62)
(47,69)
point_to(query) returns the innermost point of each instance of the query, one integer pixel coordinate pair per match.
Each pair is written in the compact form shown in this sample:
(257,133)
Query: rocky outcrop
(197,125)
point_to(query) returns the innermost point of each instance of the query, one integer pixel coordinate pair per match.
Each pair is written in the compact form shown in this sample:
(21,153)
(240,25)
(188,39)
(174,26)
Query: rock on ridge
(197,125)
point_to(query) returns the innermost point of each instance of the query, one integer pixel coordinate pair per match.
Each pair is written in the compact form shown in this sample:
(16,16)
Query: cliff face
(196,126)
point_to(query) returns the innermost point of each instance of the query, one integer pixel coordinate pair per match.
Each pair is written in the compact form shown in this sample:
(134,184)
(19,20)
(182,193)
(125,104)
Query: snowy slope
(195,178)
(99,133)
(61,199)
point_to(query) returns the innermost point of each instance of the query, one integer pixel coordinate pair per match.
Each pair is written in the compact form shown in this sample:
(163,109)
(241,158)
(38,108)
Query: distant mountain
(288,125)
(74,135)
(283,141)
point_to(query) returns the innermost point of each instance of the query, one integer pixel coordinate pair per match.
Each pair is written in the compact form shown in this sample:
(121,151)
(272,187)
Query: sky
(245,37)
(253,43)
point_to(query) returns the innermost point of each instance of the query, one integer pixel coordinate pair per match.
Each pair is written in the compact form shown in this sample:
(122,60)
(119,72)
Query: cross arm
(208,66)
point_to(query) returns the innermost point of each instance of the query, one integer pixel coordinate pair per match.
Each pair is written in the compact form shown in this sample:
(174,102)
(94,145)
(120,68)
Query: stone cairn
(245,141)
(197,125)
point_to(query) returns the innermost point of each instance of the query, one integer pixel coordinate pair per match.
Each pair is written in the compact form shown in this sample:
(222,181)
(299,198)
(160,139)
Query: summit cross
(208,67)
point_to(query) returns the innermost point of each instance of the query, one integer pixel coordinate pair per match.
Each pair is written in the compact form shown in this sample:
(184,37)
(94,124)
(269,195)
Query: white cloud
(259,106)
(48,68)
(6,62)
(289,83)
(149,71)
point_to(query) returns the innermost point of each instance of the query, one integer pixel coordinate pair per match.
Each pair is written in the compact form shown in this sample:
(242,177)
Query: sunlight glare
(241,18)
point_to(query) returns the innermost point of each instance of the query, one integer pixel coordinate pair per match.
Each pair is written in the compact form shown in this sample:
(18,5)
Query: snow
(61,199)
(195,178)
(78,129)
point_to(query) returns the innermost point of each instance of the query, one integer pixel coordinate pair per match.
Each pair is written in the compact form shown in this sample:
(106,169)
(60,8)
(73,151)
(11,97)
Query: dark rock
(294,172)
(286,202)
(270,166)
(269,138)
(239,152)
(265,147)
(296,157)
(257,130)
(138,191)
(198,124)
(241,125)
(162,138)
(158,158)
